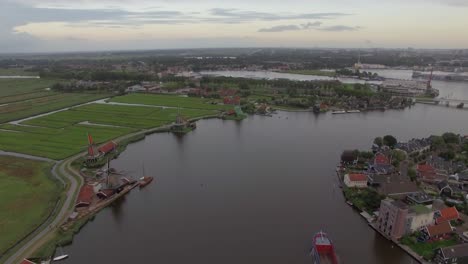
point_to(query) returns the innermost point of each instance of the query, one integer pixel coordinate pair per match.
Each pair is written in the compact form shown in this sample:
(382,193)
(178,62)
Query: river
(250,192)
(450,90)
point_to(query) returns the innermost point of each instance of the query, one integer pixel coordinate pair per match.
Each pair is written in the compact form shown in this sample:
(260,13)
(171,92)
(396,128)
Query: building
(408,88)
(381,165)
(392,218)
(457,254)
(415,146)
(438,231)
(444,189)
(419,216)
(85,197)
(107,148)
(349,157)
(27,261)
(419,198)
(447,214)
(427,173)
(355,180)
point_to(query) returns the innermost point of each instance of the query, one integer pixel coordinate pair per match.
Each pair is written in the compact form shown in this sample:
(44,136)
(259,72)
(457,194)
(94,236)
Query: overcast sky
(84,25)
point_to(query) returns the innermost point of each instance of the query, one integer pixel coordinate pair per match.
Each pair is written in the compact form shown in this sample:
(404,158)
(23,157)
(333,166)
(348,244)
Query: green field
(313,72)
(171,101)
(60,135)
(28,195)
(10,87)
(56,101)
(17,72)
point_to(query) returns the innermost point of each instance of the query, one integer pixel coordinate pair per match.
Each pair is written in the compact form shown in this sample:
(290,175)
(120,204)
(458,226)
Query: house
(427,173)
(135,88)
(457,254)
(444,189)
(419,198)
(108,147)
(357,180)
(447,214)
(394,185)
(231,100)
(418,216)
(415,146)
(27,261)
(85,197)
(381,165)
(436,231)
(392,218)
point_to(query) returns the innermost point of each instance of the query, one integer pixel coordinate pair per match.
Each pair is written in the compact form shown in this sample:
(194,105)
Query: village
(413,193)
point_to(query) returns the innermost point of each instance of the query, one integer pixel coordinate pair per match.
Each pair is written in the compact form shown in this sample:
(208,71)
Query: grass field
(17,72)
(170,101)
(60,135)
(9,87)
(28,195)
(313,72)
(35,106)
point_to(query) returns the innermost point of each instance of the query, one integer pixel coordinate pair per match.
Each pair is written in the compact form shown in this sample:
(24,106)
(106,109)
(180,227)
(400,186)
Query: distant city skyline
(84,25)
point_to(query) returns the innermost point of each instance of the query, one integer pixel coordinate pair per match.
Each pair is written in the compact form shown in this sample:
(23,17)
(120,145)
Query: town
(413,193)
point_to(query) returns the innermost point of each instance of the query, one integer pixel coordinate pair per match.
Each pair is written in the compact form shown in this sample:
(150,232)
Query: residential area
(413,193)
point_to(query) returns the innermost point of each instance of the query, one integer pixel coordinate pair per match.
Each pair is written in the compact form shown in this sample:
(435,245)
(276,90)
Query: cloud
(280,28)
(340,28)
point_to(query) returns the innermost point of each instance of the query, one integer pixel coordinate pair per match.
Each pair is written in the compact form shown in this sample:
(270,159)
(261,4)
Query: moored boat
(339,112)
(353,111)
(323,250)
(145,181)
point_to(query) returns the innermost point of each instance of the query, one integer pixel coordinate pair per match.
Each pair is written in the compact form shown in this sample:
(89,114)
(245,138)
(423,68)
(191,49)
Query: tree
(450,138)
(244,86)
(447,155)
(390,141)
(378,141)
(437,142)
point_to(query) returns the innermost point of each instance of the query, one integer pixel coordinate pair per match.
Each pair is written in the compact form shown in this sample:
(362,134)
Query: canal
(250,192)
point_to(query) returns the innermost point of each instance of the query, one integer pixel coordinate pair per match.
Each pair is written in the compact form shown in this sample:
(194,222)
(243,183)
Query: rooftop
(456,251)
(440,229)
(420,209)
(357,177)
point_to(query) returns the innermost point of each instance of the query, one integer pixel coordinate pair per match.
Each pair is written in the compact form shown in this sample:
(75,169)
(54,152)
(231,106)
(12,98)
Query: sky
(85,25)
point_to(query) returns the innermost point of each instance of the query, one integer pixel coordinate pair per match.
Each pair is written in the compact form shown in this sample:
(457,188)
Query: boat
(461,105)
(339,112)
(323,250)
(145,180)
(353,111)
(61,257)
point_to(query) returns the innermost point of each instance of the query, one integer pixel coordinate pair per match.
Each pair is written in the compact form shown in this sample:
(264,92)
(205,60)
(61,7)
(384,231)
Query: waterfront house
(439,231)
(457,254)
(418,216)
(447,214)
(85,196)
(107,148)
(394,185)
(356,180)
(381,165)
(392,218)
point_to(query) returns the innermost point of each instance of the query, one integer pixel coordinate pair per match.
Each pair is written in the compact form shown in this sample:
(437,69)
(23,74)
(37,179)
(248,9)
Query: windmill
(93,154)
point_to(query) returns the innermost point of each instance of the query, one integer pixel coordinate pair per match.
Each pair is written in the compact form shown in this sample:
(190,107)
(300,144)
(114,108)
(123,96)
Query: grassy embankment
(61,135)
(28,195)
(313,72)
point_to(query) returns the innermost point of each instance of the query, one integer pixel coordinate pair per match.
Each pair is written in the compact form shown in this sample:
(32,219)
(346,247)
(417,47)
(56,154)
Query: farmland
(39,105)
(28,195)
(171,101)
(9,87)
(63,134)
(17,72)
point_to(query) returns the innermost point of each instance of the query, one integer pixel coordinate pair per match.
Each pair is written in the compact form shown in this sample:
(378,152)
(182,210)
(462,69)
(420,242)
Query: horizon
(51,26)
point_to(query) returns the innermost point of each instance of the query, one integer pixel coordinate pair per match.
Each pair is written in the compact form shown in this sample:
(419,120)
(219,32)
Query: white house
(357,180)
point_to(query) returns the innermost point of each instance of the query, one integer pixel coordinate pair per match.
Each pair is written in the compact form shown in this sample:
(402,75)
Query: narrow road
(58,169)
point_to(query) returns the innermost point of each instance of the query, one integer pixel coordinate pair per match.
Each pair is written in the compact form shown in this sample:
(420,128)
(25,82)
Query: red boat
(145,181)
(323,250)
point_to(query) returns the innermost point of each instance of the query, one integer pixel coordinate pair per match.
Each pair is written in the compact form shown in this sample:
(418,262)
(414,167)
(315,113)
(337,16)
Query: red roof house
(108,147)
(426,172)
(27,261)
(85,197)
(438,230)
(357,177)
(448,214)
(357,180)
(381,159)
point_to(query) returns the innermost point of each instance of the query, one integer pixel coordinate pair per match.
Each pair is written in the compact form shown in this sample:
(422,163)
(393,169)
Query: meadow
(171,101)
(29,194)
(9,87)
(39,105)
(63,134)
(17,72)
